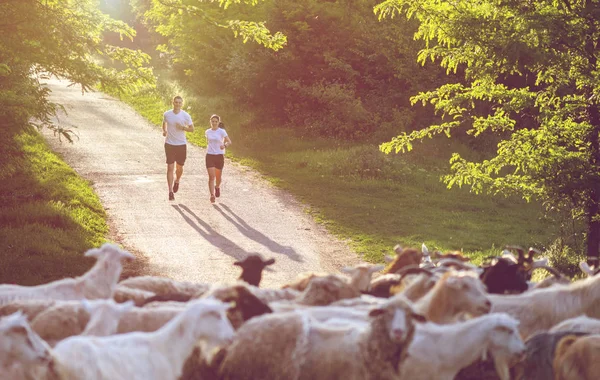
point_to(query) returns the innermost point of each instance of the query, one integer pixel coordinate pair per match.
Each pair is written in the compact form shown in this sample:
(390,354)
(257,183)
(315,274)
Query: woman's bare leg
(218,177)
(211,182)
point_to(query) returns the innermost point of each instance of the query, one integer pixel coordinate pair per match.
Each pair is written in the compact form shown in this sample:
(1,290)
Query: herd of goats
(422,316)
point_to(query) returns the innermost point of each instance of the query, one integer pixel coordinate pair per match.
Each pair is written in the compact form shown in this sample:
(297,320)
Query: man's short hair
(177,97)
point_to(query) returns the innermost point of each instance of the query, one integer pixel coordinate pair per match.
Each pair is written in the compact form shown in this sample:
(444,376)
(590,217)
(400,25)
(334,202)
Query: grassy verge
(373,200)
(49,216)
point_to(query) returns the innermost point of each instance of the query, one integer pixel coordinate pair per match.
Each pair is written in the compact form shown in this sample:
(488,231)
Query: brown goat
(576,358)
(404,258)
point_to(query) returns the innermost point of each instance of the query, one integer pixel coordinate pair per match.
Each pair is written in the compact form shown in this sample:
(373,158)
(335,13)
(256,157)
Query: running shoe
(175,187)
(217,192)
(171,196)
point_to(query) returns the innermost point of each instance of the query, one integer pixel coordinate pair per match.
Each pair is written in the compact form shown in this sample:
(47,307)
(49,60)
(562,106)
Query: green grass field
(49,216)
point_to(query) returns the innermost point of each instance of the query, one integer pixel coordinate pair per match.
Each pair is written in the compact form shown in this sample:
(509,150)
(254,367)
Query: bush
(565,259)
(331,110)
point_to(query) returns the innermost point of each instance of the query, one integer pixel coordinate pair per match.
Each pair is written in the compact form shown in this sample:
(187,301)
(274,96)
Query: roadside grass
(49,216)
(371,200)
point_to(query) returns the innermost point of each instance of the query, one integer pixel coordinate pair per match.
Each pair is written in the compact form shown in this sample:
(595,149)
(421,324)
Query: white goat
(23,355)
(540,309)
(98,282)
(104,316)
(163,285)
(31,308)
(70,318)
(441,351)
(582,323)
(158,355)
(138,296)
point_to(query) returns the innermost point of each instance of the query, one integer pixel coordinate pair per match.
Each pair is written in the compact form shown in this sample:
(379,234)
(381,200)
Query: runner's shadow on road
(207,232)
(256,235)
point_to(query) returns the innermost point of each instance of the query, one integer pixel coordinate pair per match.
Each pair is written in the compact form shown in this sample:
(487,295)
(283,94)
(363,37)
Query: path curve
(188,239)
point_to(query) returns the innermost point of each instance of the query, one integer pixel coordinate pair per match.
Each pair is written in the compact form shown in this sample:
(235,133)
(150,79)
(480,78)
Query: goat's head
(252,267)
(110,252)
(504,343)
(424,281)
(466,291)
(526,261)
(18,341)
(398,317)
(404,257)
(207,319)
(360,275)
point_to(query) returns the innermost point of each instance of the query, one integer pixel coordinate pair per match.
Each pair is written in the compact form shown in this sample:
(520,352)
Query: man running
(175,123)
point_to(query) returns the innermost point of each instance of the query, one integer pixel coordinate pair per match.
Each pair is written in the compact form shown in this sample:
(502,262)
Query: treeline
(342,73)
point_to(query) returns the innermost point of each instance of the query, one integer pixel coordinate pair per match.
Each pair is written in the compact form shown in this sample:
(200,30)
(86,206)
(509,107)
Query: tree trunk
(593,235)
(593,238)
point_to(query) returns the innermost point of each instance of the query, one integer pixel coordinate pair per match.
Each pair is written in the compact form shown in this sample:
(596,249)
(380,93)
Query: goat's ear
(94,252)
(418,317)
(347,269)
(398,249)
(238,263)
(424,249)
(269,262)
(388,258)
(128,257)
(376,312)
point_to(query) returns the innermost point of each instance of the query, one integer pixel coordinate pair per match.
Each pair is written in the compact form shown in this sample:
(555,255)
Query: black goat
(505,275)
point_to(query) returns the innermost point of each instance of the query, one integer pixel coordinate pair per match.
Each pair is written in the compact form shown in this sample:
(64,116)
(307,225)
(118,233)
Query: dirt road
(187,239)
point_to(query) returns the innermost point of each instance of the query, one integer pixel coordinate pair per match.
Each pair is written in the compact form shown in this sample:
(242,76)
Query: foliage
(62,38)
(531,77)
(341,72)
(172,19)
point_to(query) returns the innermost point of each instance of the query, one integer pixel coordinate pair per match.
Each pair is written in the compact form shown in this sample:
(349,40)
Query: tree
(531,76)
(173,17)
(62,38)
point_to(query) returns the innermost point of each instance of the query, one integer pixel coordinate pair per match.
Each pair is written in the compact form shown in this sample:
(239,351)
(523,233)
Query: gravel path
(188,239)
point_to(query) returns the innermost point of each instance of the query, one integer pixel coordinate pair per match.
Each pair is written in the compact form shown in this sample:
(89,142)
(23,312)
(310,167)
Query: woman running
(217,140)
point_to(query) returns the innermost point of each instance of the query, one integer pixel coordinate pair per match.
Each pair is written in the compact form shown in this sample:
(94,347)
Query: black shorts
(216,161)
(176,153)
